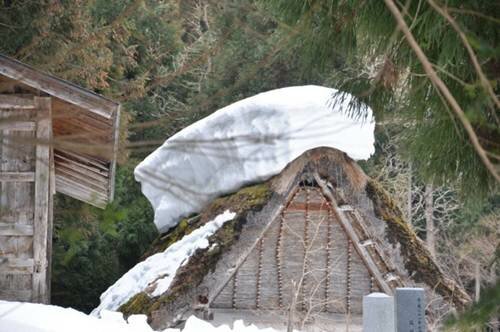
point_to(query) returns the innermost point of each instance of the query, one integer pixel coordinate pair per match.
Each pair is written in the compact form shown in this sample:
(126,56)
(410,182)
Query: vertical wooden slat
(116,141)
(16,205)
(269,298)
(5,164)
(351,233)
(50,223)
(233,293)
(42,191)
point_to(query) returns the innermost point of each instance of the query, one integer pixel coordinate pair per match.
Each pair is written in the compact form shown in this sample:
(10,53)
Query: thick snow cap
(248,142)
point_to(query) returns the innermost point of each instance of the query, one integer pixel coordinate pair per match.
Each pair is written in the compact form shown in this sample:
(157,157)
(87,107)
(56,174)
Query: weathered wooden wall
(26,188)
(54,136)
(85,141)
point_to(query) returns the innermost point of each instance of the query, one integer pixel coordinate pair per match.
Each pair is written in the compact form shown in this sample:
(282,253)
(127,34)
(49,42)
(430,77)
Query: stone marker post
(410,310)
(378,313)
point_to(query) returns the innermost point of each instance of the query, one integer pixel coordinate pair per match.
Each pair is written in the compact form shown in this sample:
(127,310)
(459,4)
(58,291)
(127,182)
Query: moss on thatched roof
(243,202)
(417,257)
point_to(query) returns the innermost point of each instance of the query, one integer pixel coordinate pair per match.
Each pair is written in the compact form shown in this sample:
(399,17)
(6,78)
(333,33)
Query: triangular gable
(325,250)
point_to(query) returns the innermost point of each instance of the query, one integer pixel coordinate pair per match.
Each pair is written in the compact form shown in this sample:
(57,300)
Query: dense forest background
(172,62)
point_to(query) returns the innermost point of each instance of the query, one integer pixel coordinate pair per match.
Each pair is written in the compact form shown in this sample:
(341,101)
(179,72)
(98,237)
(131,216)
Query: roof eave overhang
(57,87)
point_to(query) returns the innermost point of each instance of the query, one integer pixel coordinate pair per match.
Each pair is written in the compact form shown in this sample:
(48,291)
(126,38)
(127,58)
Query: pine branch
(441,86)
(474,13)
(484,80)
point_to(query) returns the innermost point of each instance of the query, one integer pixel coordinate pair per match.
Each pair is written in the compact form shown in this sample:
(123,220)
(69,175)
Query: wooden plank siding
(17,176)
(84,153)
(18,125)
(24,201)
(14,101)
(13,229)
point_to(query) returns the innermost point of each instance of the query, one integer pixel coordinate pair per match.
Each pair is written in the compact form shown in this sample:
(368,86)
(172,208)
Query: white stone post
(378,313)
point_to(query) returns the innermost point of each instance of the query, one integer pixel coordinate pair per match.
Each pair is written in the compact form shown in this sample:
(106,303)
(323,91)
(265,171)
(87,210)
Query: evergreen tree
(111,47)
(375,61)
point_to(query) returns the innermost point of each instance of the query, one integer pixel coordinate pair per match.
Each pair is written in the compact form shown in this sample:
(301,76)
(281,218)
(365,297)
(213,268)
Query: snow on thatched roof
(248,142)
(158,270)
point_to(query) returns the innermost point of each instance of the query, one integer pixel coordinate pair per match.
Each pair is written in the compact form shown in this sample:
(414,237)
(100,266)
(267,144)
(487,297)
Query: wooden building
(54,137)
(318,237)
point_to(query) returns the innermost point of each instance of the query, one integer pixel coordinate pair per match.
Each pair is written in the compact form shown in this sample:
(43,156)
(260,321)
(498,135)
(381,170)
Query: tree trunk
(477,277)
(429,220)
(409,202)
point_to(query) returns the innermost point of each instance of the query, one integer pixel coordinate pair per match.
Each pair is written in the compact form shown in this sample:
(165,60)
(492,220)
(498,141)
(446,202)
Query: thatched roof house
(321,234)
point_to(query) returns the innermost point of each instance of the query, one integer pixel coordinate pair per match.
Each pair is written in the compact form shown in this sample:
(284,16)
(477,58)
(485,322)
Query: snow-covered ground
(24,317)
(247,142)
(157,272)
(30,317)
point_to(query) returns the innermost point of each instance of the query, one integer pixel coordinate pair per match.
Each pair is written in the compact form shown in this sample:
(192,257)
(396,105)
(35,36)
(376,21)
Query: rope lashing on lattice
(233,294)
(306,248)
(328,256)
(348,277)
(278,260)
(259,274)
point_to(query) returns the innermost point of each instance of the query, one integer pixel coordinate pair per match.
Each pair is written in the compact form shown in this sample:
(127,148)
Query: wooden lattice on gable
(324,249)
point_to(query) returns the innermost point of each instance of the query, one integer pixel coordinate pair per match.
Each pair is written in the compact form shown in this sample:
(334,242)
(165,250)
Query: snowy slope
(157,271)
(246,142)
(31,317)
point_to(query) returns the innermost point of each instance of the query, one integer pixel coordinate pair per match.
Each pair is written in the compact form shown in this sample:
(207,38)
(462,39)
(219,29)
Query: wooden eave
(57,87)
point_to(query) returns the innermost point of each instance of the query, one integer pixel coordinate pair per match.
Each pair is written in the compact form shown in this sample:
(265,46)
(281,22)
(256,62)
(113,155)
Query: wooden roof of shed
(85,130)
(57,87)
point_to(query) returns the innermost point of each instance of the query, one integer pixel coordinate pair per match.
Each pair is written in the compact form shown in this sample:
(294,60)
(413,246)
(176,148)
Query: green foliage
(372,60)
(478,316)
(110,47)
(93,247)
(139,304)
